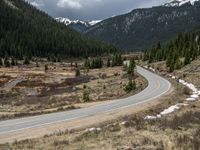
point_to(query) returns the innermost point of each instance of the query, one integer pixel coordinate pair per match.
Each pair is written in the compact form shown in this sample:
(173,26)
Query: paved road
(157,87)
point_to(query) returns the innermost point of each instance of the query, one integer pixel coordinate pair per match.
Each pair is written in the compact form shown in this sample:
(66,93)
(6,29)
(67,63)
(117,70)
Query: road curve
(157,87)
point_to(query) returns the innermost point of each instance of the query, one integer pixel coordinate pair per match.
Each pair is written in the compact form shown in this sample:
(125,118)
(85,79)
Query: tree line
(95,63)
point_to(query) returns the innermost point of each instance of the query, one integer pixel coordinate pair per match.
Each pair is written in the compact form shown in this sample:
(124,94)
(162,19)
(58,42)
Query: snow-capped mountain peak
(173,3)
(67,21)
(78,25)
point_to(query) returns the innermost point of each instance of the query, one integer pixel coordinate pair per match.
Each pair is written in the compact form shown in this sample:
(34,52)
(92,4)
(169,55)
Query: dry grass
(59,88)
(179,131)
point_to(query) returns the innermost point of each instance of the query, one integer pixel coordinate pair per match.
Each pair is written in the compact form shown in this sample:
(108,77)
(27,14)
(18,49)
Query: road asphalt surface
(157,86)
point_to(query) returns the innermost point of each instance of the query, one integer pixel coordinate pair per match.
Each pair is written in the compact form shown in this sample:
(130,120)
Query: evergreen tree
(131,67)
(77,72)
(46,68)
(1,62)
(76,65)
(13,62)
(16,62)
(130,86)
(37,64)
(86,96)
(108,62)
(187,58)
(26,61)
(6,62)
(87,63)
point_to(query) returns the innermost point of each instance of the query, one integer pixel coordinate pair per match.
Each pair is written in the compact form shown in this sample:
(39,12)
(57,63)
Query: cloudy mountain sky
(91,9)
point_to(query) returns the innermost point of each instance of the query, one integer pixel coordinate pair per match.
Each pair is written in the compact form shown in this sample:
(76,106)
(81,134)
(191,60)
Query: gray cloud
(91,9)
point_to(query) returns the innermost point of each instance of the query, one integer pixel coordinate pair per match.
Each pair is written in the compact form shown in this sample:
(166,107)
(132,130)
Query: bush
(186,91)
(84,86)
(77,73)
(62,142)
(46,67)
(26,61)
(86,97)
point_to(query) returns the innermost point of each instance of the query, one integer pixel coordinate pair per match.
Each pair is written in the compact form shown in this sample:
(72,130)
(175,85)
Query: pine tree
(46,68)
(76,65)
(131,67)
(87,63)
(86,96)
(77,72)
(13,62)
(37,64)
(108,62)
(130,86)
(26,61)
(6,62)
(16,62)
(187,58)
(1,62)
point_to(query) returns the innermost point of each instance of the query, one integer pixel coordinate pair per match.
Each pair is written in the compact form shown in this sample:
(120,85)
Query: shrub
(77,73)
(86,97)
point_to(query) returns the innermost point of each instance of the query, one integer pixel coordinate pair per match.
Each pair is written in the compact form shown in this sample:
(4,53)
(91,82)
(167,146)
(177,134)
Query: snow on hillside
(93,22)
(179,2)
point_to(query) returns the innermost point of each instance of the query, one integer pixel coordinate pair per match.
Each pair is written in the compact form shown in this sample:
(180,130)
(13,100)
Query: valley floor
(30,90)
(179,130)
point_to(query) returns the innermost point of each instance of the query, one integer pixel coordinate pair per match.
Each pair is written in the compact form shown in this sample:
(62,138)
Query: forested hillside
(178,52)
(26,32)
(141,28)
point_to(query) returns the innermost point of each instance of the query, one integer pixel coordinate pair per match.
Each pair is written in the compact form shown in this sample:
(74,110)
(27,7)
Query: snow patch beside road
(193,97)
(167,111)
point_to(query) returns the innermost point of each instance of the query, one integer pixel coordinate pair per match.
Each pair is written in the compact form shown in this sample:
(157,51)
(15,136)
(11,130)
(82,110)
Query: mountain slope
(180,2)
(141,28)
(26,31)
(78,25)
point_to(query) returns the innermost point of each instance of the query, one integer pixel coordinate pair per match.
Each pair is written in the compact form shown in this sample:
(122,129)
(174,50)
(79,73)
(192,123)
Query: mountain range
(141,28)
(78,25)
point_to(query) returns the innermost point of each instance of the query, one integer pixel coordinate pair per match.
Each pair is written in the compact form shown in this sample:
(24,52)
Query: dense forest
(178,52)
(28,32)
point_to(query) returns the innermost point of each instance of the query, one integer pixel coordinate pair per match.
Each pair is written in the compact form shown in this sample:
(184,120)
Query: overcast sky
(91,9)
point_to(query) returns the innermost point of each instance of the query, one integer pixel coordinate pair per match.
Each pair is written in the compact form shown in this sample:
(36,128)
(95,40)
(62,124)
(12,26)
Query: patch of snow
(167,111)
(191,99)
(152,69)
(173,77)
(173,3)
(194,96)
(93,129)
(150,118)
(123,123)
(93,22)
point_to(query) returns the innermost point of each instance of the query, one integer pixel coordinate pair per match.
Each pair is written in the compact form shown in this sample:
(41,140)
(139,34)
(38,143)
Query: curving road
(157,87)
